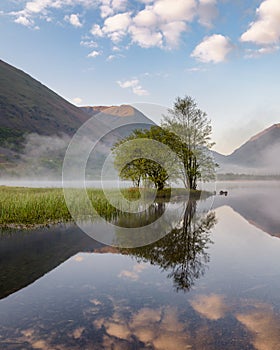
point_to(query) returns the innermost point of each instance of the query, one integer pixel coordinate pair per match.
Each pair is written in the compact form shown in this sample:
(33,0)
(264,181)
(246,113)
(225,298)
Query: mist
(263,162)
(39,161)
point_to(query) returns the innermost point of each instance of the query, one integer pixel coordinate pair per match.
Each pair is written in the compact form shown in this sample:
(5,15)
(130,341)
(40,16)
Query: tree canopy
(179,149)
(194,129)
(148,155)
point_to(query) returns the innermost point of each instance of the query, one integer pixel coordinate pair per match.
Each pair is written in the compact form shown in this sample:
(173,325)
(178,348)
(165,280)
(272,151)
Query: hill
(259,155)
(114,115)
(36,125)
(27,106)
(257,150)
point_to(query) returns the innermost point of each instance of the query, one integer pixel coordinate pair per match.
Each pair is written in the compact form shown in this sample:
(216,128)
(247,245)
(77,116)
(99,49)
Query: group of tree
(176,150)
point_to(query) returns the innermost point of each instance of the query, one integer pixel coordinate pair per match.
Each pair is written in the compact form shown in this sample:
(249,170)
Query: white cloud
(94,54)
(135,86)
(41,8)
(119,22)
(74,20)
(119,5)
(266,29)
(213,49)
(25,21)
(106,11)
(96,30)
(172,32)
(89,43)
(207,12)
(138,90)
(181,10)
(116,26)
(128,83)
(116,49)
(146,18)
(195,69)
(110,7)
(144,37)
(37,6)
(155,23)
(262,51)
(111,58)
(159,24)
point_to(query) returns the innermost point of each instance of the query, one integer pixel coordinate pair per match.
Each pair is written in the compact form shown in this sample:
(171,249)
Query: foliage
(138,160)
(186,133)
(194,129)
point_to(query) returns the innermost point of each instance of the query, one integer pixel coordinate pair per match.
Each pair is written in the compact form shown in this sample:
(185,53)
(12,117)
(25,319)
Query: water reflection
(109,298)
(27,256)
(258,202)
(183,252)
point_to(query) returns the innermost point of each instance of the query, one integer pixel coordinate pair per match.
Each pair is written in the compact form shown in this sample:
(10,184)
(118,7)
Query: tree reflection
(183,252)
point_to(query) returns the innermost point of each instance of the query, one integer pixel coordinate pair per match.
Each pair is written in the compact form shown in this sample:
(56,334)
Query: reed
(29,207)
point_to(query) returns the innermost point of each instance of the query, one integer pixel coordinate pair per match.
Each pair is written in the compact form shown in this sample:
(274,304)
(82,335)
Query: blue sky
(223,53)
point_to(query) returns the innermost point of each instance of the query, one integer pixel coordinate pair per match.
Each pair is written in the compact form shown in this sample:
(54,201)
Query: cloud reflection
(263,325)
(158,329)
(211,306)
(133,274)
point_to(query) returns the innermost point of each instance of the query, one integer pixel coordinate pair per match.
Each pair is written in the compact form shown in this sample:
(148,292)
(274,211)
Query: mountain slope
(36,125)
(256,151)
(118,115)
(259,155)
(27,106)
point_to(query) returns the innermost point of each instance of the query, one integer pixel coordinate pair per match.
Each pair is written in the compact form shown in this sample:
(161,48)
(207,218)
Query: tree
(194,129)
(143,160)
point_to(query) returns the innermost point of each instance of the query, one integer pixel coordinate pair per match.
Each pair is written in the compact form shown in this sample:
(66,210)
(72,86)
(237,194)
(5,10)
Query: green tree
(194,129)
(159,165)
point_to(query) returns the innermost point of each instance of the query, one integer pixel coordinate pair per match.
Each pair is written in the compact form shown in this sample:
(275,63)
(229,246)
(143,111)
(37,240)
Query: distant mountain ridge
(260,154)
(117,115)
(249,153)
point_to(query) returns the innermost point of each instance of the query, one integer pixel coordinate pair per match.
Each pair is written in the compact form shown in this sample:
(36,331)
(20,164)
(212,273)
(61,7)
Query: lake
(213,282)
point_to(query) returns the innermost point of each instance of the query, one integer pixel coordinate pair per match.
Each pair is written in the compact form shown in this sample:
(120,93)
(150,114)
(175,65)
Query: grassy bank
(29,207)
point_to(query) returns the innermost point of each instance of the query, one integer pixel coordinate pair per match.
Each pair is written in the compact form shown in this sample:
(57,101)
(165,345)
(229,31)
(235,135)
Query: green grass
(29,207)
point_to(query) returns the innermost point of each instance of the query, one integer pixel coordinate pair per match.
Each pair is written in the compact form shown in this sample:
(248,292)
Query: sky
(224,54)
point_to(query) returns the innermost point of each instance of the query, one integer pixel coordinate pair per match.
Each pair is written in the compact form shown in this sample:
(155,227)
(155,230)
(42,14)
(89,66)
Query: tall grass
(27,207)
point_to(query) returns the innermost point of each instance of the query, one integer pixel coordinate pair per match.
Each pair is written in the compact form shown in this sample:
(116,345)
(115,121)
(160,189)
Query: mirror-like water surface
(212,283)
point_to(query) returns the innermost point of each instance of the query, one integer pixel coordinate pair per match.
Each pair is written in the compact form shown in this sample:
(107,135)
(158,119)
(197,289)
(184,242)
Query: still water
(212,283)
